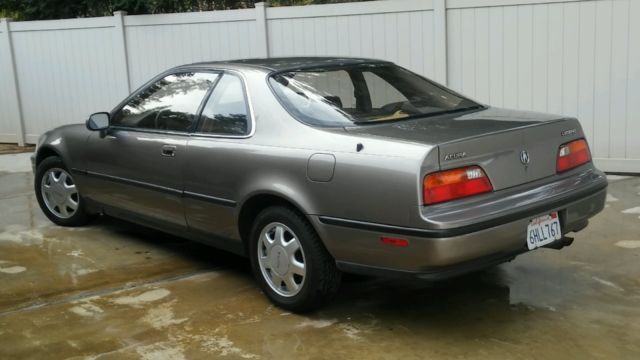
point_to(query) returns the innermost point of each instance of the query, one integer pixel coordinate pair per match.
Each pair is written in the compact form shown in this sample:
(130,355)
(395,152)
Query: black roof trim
(293,63)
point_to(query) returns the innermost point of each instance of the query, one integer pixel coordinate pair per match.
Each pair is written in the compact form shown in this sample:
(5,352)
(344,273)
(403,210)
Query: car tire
(276,261)
(58,195)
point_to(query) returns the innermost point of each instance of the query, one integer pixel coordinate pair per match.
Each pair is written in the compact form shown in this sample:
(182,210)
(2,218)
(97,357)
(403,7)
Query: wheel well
(252,207)
(44,153)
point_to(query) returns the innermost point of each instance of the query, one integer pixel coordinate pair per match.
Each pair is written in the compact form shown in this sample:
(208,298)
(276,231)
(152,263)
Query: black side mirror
(98,121)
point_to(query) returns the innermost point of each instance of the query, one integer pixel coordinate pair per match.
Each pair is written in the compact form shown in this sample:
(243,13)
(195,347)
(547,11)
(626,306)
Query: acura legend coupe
(313,167)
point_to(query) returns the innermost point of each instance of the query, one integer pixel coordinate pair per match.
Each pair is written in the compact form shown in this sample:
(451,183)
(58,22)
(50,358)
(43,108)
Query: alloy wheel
(59,193)
(281,259)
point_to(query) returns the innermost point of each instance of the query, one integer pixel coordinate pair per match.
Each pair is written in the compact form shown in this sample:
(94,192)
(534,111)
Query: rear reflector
(394,241)
(455,184)
(573,154)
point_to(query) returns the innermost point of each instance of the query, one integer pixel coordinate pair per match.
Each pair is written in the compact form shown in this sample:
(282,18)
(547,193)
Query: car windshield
(363,94)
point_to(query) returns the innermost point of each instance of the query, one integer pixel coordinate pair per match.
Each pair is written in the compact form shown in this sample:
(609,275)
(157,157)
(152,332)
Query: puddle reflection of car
(316,166)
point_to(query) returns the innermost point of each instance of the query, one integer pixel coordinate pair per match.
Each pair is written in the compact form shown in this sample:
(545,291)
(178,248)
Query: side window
(381,92)
(226,111)
(169,104)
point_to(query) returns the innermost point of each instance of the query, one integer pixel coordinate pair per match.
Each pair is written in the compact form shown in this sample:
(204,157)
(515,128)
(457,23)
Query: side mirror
(98,121)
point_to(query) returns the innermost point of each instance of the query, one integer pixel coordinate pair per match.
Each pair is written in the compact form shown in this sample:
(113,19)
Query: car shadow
(448,304)
(201,255)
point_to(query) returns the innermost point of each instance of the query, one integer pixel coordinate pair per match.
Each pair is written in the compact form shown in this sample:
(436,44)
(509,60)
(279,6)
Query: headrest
(335,100)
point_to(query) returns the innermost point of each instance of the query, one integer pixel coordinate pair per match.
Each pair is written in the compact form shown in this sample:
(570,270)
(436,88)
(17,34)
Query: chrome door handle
(168,150)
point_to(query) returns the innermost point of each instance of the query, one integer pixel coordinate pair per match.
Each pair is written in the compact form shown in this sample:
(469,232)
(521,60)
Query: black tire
(80,217)
(322,278)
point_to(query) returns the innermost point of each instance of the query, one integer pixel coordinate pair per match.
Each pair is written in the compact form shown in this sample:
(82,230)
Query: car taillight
(455,184)
(573,154)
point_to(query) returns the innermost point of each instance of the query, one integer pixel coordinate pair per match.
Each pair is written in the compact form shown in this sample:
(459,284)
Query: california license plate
(543,230)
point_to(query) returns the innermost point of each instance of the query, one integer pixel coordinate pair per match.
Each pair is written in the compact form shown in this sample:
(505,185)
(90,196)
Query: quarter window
(226,111)
(170,104)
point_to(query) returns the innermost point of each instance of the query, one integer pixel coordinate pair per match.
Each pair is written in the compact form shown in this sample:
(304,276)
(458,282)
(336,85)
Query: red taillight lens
(455,184)
(573,154)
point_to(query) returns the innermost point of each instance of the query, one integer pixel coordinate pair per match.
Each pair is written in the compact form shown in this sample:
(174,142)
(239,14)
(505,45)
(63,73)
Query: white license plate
(543,230)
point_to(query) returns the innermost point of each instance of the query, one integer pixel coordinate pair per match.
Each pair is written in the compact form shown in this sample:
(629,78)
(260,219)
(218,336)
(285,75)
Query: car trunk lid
(513,147)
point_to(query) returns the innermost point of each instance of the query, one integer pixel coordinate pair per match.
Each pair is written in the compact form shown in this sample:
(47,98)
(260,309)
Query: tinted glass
(381,91)
(169,104)
(336,85)
(373,93)
(226,111)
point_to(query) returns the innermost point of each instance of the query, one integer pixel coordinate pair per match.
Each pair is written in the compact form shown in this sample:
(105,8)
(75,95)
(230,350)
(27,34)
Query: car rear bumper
(446,252)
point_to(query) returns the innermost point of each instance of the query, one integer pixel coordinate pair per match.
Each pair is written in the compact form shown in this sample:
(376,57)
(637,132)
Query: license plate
(543,230)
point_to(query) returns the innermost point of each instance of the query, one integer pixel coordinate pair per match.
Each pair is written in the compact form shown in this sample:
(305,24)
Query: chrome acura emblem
(524,157)
(454,156)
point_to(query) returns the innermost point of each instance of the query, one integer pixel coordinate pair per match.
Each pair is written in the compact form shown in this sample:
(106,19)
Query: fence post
(118,17)
(261,29)
(440,22)
(13,80)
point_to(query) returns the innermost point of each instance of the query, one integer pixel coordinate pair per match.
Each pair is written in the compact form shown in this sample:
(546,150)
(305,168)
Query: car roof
(287,63)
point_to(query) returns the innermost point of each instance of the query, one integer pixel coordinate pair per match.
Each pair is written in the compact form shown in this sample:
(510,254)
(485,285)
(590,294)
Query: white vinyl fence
(573,57)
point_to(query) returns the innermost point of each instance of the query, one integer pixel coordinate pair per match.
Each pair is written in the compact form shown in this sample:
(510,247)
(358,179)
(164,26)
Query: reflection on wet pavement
(116,290)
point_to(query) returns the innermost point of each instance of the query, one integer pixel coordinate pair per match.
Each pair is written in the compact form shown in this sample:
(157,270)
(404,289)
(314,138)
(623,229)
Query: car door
(136,166)
(214,160)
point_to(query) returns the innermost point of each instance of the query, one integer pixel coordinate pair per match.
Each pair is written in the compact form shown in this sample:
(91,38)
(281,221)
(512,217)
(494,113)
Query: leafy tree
(61,9)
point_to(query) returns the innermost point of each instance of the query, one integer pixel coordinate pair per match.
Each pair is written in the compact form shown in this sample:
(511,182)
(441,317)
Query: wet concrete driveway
(118,291)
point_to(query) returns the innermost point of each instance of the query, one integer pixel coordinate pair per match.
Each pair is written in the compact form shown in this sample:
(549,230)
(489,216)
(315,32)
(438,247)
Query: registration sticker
(543,230)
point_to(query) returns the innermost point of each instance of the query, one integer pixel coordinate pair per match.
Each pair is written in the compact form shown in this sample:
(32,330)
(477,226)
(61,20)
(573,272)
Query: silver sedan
(316,166)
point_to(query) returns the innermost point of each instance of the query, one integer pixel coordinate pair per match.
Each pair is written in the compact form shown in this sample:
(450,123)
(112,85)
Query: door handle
(168,150)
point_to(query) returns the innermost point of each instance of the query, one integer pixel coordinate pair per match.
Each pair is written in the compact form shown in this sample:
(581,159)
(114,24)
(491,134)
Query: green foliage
(62,9)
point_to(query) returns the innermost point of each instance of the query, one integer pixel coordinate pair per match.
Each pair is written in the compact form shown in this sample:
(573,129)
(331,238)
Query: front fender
(67,142)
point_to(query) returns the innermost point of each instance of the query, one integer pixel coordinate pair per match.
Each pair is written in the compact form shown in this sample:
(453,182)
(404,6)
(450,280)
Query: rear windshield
(363,94)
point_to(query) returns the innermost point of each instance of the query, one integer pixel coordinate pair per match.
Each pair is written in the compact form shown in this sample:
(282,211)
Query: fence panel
(401,32)
(576,58)
(573,57)
(64,73)
(8,107)
(155,44)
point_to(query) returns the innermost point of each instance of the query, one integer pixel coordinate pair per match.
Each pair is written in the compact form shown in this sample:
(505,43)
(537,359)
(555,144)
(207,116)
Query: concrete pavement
(113,290)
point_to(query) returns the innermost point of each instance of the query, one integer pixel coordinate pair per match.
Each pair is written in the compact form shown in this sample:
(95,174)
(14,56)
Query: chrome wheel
(281,259)
(59,193)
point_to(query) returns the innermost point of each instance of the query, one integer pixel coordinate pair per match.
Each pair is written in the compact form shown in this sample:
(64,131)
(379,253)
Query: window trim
(245,93)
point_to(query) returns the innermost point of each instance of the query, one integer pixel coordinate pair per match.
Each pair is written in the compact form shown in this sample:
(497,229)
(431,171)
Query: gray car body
(353,184)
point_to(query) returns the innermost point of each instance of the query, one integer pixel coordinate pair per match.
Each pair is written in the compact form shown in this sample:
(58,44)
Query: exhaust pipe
(559,244)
